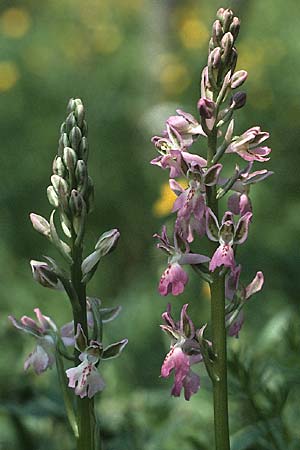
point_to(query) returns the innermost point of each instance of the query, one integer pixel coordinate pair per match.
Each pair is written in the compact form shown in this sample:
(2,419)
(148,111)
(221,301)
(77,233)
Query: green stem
(217,288)
(88,436)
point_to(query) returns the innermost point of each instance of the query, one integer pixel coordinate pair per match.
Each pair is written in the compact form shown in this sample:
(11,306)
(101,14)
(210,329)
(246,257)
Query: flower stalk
(198,216)
(80,341)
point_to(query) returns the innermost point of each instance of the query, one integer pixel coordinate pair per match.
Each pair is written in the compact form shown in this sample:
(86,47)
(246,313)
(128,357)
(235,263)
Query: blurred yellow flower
(164,204)
(15,22)
(107,38)
(174,78)
(9,75)
(193,33)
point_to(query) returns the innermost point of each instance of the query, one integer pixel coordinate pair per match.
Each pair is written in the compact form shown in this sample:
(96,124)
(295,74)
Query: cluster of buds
(196,213)
(71,191)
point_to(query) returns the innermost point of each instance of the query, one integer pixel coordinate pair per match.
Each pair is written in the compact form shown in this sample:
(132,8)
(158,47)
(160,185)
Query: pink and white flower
(184,352)
(227,234)
(248,147)
(44,330)
(174,278)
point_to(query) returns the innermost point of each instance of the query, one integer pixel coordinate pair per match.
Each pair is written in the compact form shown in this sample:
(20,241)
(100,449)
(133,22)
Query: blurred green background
(133,62)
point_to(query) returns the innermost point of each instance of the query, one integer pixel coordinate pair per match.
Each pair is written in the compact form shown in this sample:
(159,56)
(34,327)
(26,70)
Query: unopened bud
(235,27)
(58,166)
(40,224)
(107,241)
(70,122)
(206,108)
(75,137)
(60,185)
(70,158)
(84,149)
(214,58)
(238,100)
(227,19)
(217,32)
(62,143)
(227,44)
(76,202)
(45,276)
(71,105)
(238,78)
(220,14)
(63,128)
(79,114)
(211,45)
(52,196)
(81,174)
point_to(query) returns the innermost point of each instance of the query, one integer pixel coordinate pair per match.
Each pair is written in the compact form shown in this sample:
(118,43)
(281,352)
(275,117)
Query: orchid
(227,234)
(44,331)
(85,378)
(80,340)
(190,204)
(186,125)
(247,146)
(184,352)
(198,217)
(174,278)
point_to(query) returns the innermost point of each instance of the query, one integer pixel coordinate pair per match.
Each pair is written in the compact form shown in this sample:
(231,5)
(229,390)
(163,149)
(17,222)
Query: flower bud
(206,108)
(214,58)
(70,122)
(44,275)
(76,202)
(58,166)
(81,176)
(238,100)
(75,138)
(60,185)
(40,224)
(79,114)
(220,14)
(69,158)
(227,19)
(235,27)
(217,32)
(71,105)
(227,44)
(52,196)
(84,149)
(63,128)
(238,78)
(107,241)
